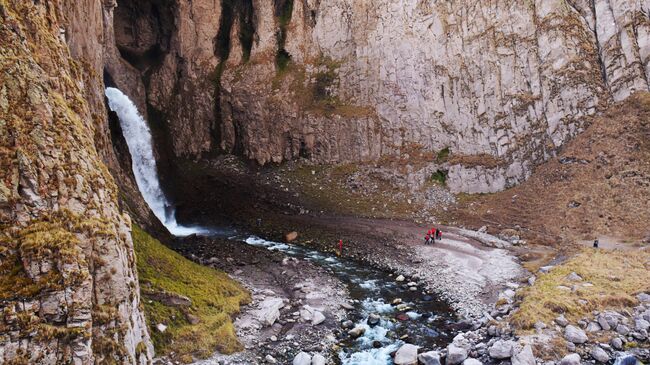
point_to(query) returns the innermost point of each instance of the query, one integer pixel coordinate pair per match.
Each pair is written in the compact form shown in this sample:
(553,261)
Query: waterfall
(138,138)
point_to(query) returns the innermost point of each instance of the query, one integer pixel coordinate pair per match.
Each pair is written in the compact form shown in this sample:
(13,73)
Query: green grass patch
(443,155)
(215,299)
(439,177)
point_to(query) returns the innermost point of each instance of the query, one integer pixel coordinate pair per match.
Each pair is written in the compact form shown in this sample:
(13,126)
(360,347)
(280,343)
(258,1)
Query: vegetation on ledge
(194,329)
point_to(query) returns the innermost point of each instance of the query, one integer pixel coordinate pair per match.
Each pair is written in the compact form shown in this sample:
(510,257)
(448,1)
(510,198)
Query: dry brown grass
(617,276)
(610,180)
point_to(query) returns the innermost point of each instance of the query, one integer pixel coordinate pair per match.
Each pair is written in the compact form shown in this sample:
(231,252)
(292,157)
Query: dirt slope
(598,185)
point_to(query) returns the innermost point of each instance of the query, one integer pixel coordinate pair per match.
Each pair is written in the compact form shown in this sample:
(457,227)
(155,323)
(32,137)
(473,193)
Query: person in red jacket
(427,239)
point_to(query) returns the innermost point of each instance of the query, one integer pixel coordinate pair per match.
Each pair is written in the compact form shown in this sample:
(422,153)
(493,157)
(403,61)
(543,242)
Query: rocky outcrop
(342,80)
(69,292)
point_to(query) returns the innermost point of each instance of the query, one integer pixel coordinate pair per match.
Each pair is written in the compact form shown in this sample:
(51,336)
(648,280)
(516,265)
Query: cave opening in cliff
(143,31)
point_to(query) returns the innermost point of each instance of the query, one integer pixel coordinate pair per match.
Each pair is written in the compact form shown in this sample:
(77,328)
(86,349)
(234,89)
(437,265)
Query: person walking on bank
(438,234)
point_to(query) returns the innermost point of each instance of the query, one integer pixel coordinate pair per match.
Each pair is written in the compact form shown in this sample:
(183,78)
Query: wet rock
(501,349)
(455,355)
(347,324)
(524,357)
(373,319)
(599,354)
(406,355)
(302,358)
(402,317)
(575,334)
(291,236)
(318,359)
(377,344)
(357,332)
(429,358)
(571,359)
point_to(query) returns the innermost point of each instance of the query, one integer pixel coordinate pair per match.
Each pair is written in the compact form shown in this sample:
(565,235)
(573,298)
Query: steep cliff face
(68,287)
(343,80)
(507,79)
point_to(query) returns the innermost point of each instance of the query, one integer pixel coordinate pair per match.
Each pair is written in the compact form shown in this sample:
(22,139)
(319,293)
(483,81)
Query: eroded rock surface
(69,292)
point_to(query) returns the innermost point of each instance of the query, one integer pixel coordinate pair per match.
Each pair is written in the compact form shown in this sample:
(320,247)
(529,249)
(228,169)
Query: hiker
(596,243)
(438,234)
(432,233)
(259,222)
(340,247)
(427,239)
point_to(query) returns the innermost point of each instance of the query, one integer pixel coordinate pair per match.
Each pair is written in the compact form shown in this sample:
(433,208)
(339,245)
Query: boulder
(622,329)
(501,349)
(599,354)
(643,297)
(269,311)
(357,332)
(400,278)
(616,343)
(472,362)
(574,277)
(571,359)
(318,318)
(604,324)
(161,327)
(575,335)
(561,321)
(373,319)
(270,359)
(429,358)
(593,327)
(524,357)
(406,355)
(641,324)
(455,355)
(291,236)
(302,358)
(318,359)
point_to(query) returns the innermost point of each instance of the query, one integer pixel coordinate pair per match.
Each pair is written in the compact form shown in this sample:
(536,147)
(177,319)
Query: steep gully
(425,320)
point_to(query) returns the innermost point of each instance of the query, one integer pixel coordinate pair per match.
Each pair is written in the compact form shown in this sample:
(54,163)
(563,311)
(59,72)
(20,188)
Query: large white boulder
(406,355)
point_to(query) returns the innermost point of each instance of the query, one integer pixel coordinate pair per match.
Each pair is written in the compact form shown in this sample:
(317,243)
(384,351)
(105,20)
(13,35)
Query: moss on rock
(193,331)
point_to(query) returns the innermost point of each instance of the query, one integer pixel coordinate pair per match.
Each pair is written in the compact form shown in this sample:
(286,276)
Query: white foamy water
(138,138)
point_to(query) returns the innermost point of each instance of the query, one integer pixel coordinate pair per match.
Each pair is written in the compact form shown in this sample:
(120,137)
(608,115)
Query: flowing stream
(421,318)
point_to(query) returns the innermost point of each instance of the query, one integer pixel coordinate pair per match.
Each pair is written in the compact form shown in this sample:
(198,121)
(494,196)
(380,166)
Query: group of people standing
(432,235)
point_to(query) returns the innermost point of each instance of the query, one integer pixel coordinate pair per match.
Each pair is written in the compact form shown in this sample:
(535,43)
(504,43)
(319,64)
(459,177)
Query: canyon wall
(69,292)
(349,80)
